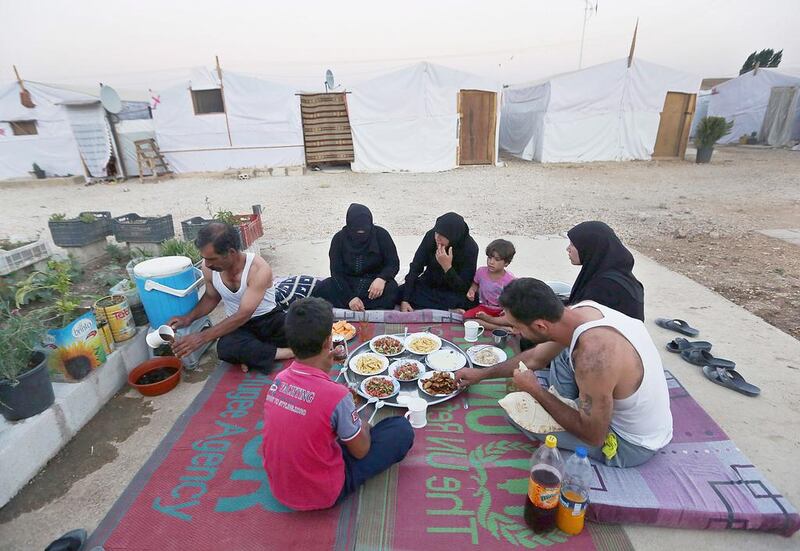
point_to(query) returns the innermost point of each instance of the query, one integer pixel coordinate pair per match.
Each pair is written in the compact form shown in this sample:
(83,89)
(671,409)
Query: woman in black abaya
(442,269)
(364,263)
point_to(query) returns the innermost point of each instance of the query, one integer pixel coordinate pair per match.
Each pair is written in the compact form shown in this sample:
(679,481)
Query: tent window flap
(23,128)
(207,101)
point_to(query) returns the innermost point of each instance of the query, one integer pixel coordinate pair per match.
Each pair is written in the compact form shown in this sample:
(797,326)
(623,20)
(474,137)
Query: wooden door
(326,128)
(477,131)
(673,130)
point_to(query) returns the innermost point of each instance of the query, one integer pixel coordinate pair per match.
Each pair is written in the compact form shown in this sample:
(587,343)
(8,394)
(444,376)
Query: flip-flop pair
(717,370)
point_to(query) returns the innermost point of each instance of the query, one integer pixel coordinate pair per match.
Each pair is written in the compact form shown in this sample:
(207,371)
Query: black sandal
(730,378)
(703,358)
(680,344)
(677,325)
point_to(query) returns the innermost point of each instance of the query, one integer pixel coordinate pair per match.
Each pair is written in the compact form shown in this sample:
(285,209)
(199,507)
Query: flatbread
(529,414)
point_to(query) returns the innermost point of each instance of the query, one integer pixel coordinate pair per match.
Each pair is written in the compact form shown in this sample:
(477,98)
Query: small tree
(710,130)
(765,58)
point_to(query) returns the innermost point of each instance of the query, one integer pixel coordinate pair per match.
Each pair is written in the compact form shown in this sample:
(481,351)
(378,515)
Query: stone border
(26,446)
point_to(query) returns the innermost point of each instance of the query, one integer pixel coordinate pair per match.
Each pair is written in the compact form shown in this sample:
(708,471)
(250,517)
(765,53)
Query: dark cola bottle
(544,487)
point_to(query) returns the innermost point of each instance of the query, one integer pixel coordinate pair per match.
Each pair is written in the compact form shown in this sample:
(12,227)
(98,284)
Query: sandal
(677,325)
(730,378)
(680,344)
(703,358)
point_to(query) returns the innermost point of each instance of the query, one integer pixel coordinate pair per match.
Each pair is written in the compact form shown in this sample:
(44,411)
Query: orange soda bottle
(544,487)
(574,493)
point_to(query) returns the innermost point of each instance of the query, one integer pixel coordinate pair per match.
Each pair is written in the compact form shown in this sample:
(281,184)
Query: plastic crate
(16,259)
(76,233)
(132,228)
(250,229)
(192,227)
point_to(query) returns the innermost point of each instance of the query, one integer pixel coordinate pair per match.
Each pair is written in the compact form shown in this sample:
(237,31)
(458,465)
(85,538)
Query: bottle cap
(580,451)
(550,441)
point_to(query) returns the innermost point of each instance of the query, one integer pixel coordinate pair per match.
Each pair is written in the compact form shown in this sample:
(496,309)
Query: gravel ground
(697,219)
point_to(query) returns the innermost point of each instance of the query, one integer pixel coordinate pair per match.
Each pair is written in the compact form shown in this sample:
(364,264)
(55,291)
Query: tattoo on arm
(586,405)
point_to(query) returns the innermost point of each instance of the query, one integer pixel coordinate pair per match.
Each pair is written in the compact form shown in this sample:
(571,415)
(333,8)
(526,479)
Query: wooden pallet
(149,157)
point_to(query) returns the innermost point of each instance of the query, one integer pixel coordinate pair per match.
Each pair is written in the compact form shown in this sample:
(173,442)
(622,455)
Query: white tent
(408,120)
(607,112)
(63,127)
(745,98)
(263,119)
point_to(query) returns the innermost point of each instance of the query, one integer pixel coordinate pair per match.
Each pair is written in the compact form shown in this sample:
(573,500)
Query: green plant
(58,217)
(87,218)
(19,335)
(107,276)
(710,130)
(222,215)
(140,253)
(57,280)
(179,247)
(117,253)
(765,58)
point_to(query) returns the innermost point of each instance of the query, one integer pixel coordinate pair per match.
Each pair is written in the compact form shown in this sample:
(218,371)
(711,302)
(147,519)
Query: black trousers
(254,343)
(329,290)
(425,297)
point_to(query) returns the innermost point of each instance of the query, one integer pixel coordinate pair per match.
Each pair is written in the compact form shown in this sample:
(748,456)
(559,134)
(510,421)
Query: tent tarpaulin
(53,147)
(744,100)
(608,112)
(408,120)
(264,119)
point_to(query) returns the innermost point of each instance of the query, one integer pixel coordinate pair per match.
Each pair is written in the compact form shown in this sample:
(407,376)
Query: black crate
(132,228)
(192,227)
(77,233)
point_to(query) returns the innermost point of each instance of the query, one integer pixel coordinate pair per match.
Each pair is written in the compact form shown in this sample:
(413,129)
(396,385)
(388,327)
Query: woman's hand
(444,257)
(406,307)
(376,289)
(356,305)
(471,294)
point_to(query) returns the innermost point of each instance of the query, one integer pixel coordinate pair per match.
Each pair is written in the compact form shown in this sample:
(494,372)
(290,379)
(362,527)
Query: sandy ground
(699,220)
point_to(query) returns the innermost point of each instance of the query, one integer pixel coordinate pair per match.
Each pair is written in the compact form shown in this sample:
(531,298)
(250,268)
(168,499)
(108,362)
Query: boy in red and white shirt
(316,449)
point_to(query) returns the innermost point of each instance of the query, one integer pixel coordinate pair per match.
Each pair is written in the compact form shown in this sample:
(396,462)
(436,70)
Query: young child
(489,283)
(316,449)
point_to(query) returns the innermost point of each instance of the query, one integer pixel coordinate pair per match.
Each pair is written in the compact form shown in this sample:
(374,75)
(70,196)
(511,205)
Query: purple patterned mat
(700,480)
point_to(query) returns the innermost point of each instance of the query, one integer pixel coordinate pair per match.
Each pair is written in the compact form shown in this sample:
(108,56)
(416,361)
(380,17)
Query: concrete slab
(790,235)
(26,446)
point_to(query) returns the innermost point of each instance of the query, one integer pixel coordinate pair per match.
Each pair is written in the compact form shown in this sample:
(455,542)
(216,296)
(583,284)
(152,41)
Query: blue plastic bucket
(167,286)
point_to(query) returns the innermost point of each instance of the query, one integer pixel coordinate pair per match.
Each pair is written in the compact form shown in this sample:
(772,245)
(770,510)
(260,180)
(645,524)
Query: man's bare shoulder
(596,348)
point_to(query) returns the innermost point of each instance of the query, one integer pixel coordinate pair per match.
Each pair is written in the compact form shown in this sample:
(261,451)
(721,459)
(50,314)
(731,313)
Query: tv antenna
(590,7)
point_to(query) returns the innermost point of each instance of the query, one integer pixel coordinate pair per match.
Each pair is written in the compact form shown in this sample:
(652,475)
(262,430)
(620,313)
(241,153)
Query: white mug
(472,330)
(154,338)
(417,413)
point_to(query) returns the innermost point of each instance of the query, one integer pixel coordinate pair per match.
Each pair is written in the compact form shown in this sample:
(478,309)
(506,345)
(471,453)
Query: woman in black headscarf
(443,268)
(364,263)
(606,273)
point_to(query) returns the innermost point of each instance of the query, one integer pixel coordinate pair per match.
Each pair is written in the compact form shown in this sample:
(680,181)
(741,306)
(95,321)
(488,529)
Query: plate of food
(379,386)
(344,329)
(368,364)
(423,343)
(486,356)
(438,383)
(406,370)
(387,345)
(446,359)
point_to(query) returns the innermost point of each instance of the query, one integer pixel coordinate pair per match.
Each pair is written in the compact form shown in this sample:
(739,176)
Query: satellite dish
(329,84)
(110,99)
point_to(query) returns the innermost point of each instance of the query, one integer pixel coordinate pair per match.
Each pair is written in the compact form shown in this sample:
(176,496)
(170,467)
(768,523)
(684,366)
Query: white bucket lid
(162,266)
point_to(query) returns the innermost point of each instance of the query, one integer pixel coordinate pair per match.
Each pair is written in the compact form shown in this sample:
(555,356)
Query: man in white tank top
(252,334)
(615,374)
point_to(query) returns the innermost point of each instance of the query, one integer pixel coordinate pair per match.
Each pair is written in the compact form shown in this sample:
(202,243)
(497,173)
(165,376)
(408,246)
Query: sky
(143,43)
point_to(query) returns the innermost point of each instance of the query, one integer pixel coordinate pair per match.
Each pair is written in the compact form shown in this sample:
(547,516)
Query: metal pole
(224,103)
(583,32)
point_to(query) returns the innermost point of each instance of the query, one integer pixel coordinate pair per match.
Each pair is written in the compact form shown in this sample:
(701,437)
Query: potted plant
(25,387)
(73,336)
(85,229)
(709,132)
